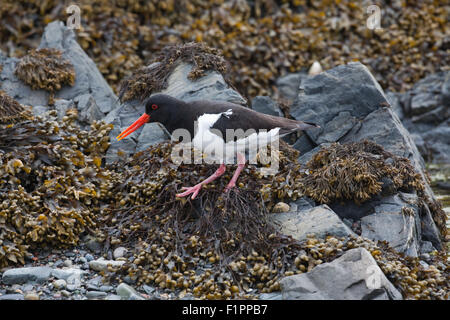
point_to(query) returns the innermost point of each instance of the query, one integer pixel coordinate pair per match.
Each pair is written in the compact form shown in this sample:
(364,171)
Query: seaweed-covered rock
(45,69)
(353,276)
(60,41)
(49,176)
(88,80)
(350,106)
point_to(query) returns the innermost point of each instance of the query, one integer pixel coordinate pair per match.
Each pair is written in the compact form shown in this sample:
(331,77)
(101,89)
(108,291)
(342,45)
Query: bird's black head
(158,108)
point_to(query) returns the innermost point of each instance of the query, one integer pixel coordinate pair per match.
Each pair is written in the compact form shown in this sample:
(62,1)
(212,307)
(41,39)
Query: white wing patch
(215,147)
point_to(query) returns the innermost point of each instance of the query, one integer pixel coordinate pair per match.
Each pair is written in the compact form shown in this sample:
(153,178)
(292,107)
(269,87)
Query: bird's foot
(190,190)
(230,186)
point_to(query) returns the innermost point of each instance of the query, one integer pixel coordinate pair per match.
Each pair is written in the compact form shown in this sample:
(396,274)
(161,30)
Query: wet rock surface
(319,221)
(426,113)
(353,276)
(349,105)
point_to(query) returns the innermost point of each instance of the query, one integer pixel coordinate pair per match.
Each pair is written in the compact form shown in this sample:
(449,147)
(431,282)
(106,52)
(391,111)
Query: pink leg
(196,189)
(241,165)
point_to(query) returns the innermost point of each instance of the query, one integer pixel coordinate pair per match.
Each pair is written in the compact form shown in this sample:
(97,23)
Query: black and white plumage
(208,122)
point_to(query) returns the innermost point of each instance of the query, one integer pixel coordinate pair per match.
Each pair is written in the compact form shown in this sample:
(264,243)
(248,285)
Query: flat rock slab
(320,221)
(29,274)
(353,276)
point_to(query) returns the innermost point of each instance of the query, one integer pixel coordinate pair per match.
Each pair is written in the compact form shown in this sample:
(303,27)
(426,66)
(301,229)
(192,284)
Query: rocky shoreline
(349,105)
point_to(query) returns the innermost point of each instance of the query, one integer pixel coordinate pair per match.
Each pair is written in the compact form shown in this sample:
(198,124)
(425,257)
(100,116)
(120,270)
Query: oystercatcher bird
(208,122)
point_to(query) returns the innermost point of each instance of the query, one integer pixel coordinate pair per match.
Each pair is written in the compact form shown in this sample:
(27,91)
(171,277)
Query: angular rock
(18,89)
(394,100)
(426,94)
(126,292)
(151,134)
(437,143)
(266,105)
(210,87)
(303,203)
(88,79)
(349,92)
(320,221)
(61,106)
(353,276)
(350,106)
(28,274)
(289,84)
(88,110)
(397,221)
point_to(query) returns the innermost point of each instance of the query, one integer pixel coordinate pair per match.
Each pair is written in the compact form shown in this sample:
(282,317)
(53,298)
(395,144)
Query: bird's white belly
(216,150)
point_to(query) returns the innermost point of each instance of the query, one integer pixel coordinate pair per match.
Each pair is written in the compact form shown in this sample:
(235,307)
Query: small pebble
(60,284)
(31,296)
(89,257)
(68,263)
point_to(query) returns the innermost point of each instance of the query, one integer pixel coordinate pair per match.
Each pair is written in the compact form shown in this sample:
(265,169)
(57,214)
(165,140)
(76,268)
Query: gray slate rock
(353,276)
(427,110)
(350,106)
(390,222)
(18,89)
(87,108)
(28,274)
(320,221)
(289,84)
(425,94)
(88,79)
(266,105)
(348,93)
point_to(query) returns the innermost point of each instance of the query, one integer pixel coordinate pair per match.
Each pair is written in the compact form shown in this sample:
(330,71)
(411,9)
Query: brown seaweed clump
(357,171)
(11,110)
(50,183)
(153,78)
(45,69)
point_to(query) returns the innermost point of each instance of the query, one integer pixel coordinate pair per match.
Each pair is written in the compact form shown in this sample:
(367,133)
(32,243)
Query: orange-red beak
(139,122)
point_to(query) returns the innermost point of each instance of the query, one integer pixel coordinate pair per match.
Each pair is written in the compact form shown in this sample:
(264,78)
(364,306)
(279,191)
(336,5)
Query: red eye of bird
(154,106)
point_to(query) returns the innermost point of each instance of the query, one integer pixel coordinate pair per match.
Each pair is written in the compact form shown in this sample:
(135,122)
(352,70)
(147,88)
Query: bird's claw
(190,190)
